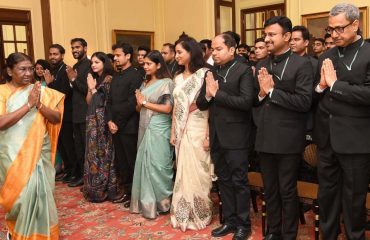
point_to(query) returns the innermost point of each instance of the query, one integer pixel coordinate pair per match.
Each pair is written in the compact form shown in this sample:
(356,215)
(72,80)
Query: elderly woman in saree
(191,204)
(30,119)
(152,185)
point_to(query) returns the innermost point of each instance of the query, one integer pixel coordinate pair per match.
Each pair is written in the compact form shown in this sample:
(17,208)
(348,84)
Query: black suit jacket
(281,125)
(61,84)
(80,90)
(311,113)
(121,104)
(230,109)
(343,114)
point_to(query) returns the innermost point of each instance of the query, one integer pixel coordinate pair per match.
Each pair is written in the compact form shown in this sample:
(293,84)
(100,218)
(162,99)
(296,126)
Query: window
(15,33)
(253,20)
(14,39)
(224,16)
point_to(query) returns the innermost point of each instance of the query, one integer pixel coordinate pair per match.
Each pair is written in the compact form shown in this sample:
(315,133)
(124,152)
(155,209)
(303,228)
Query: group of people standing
(120,126)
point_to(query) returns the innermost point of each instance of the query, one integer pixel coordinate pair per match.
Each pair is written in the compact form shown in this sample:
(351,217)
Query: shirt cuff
(332,85)
(261,98)
(270,92)
(318,89)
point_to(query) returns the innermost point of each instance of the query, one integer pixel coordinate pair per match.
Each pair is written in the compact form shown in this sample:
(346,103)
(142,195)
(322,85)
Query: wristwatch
(144,102)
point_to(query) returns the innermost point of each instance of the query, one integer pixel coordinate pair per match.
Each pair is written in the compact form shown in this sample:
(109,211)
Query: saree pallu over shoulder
(187,91)
(152,183)
(191,206)
(27,155)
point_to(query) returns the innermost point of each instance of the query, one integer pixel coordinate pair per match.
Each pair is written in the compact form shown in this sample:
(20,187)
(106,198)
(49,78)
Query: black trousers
(79,133)
(343,184)
(279,174)
(125,146)
(231,168)
(66,147)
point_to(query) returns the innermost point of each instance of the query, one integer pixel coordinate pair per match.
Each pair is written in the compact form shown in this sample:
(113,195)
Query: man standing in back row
(57,79)
(122,118)
(78,80)
(342,126)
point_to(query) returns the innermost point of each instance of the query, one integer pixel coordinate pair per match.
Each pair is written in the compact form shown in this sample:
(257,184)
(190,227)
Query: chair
(307,191)
(368,203)
(256,184)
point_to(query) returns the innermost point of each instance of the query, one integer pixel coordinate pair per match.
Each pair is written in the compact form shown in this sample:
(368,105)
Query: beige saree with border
(191,204)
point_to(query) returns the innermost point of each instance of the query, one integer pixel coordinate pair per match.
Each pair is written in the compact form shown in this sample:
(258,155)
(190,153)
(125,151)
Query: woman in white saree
(191,204)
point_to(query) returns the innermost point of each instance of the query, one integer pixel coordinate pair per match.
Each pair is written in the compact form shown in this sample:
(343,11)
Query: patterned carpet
(81,220)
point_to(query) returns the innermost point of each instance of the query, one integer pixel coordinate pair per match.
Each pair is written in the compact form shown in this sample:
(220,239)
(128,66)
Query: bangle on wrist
(40,106)
(29,106)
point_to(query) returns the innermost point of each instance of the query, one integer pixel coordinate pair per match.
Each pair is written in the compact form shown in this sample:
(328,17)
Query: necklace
(57,72)
(227,72)
(349,68)
(282,72)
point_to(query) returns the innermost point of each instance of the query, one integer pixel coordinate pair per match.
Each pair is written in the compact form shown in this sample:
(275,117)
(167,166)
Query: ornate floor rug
(81,220)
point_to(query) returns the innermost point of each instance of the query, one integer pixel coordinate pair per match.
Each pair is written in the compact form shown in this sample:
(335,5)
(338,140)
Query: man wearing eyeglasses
(342,126)
(285,83)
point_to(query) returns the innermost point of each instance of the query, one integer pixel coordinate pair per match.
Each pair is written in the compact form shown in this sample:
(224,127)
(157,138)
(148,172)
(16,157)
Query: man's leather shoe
(59,177)
(76,183)
(223,230)
(273,236)
(242,234)
(68,178)
(127,204)
(124,198)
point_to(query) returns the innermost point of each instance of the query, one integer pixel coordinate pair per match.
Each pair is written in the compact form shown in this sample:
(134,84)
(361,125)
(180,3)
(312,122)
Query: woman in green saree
(30,118)
(152,184)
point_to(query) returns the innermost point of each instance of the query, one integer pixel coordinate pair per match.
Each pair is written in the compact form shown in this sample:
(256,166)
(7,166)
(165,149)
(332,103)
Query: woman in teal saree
(30,117)
(152,184)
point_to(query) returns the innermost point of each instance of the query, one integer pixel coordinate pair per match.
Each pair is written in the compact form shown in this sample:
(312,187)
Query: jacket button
(330,99)
(330,116)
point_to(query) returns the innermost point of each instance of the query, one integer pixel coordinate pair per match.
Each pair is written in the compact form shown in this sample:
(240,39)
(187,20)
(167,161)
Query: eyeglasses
(26,69)
(338,30)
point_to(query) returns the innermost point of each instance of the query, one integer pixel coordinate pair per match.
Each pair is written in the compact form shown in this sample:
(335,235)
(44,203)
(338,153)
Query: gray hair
(351,12)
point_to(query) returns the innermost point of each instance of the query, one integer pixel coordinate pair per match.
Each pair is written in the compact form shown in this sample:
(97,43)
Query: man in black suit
(342,126)
(285,94)
(140,55)
(78,80)
(58,80)
(298,43)
(122,118)
(228,93)
(168,54)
